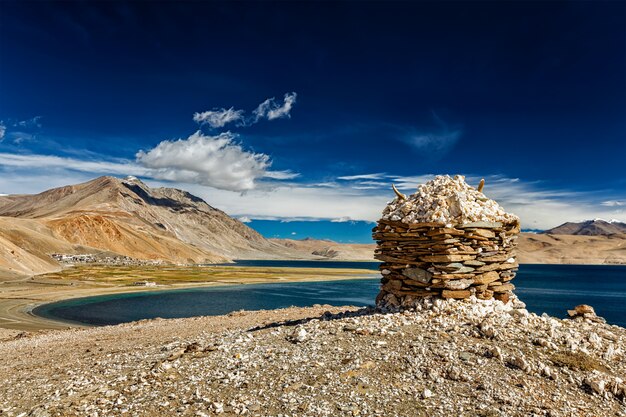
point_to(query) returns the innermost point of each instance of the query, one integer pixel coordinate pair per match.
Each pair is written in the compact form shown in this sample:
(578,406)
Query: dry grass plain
(18,296)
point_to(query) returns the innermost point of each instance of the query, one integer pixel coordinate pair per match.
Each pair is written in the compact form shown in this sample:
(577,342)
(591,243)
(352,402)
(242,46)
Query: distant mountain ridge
(109,216)
(124,217)
(595,227)
(329,249)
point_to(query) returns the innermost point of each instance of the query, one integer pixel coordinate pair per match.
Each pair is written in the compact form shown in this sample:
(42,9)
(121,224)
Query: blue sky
(309,111)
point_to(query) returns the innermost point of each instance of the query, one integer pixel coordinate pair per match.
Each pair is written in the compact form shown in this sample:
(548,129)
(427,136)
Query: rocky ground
(452,358)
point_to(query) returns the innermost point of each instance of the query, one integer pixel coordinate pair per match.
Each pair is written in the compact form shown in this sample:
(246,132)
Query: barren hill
(125,217)
(570,249)
(596,227)
(329,249)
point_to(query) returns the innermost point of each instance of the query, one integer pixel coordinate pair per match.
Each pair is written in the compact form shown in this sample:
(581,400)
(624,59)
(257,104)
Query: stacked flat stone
(447,240)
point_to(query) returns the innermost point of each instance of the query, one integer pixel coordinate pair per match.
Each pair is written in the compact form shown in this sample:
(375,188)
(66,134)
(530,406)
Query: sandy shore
(19,296)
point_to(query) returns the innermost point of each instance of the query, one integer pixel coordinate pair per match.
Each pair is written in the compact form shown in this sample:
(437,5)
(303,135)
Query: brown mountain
(331,250)
(126,217)
(541,248)
(597,227)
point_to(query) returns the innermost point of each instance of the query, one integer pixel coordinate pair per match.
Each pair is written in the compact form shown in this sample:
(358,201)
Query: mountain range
(109,217)
(596,227)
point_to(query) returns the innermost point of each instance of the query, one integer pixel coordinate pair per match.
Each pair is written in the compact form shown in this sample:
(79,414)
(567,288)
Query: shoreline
(18,298)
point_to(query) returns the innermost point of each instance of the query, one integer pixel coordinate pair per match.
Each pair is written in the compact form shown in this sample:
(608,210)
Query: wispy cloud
(32,123)
(614,203)
(271,110)
(19,131)
(217,118)
(281,175)
(343,219)
(50,162)
(538,205)
(375,176)
(245,219)
(436,141)
(268,110)
(21,137)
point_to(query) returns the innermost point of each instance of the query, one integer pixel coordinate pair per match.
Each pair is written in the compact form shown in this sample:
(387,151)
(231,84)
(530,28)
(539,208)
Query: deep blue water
(544,288)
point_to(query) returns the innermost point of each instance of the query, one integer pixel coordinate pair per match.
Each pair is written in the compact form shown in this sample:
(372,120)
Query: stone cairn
(446,240)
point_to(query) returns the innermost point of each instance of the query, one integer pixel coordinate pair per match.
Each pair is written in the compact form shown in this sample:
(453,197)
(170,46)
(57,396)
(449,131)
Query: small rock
(520,363)
(487,330)
(584,309)
(597,385)
(299,335)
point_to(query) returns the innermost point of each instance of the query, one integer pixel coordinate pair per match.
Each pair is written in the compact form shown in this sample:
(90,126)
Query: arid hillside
(123,217)
(330,250)
(595,227)
(25,246)
(571,249)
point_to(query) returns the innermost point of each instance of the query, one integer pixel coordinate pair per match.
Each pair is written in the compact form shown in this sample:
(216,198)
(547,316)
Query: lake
(544,288)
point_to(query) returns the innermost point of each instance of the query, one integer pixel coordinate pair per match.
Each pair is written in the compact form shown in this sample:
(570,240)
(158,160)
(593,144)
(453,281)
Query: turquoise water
(544,288)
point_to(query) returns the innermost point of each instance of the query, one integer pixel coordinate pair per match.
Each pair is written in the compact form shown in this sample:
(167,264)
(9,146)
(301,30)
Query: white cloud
(614,203)
(218,117)
(538,206)
(30,123)
(20,137)
(409,183)
(245,219)
(215,161)
(281,175)
(294,202)
(287,219)
(270,110)
(376,176)
(327,184)
(35,162)
(19,130)
(343,219)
